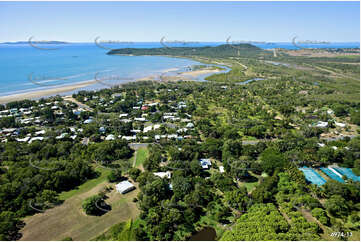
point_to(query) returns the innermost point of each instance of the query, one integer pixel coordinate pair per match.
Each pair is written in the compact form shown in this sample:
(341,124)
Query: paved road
(81,105)
(250,142)
(136,146)
(339,137)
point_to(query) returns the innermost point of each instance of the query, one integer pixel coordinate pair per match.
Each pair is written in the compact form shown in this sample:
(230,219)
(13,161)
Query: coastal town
(180,121)
(167,132)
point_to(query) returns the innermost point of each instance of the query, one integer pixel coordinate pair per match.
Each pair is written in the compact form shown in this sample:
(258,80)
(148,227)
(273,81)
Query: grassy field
(122,232)
(250,185)
(141,156)
(87,185)
(69,220)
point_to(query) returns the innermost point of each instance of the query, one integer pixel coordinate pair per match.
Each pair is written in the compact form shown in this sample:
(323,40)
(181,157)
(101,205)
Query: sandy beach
(59,90)
(43,93)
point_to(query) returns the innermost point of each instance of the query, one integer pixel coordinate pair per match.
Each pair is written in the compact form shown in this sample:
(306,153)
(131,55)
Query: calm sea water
(25,68)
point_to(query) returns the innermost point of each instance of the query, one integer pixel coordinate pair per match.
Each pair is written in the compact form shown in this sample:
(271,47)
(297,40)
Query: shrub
(95,205)
(321,215)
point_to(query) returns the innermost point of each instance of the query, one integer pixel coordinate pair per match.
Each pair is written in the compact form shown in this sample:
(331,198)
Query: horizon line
(184,41)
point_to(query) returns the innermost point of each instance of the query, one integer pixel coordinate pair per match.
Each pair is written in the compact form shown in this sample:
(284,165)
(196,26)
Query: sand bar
(200,72)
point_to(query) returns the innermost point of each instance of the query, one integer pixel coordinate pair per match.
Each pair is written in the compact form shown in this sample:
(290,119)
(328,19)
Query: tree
(7,122)
(321,215)
(47,199)
(196,167)
(355,117)
(350,192)
(223,182)
(134,173)
(109,151)
(271,160)
(115,175)
(337,206)
(181,186)
(231,149)
(154,158)
(326,155)
(238,199)
(339,110)
(95,205)
(213,147)
(264,192)
(9,226)
(261,222)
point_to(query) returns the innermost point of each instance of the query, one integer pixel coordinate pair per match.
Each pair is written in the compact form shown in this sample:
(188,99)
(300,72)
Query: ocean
(27,68)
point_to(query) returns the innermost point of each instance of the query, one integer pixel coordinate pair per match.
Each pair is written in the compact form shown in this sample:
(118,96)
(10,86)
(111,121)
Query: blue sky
(190,21)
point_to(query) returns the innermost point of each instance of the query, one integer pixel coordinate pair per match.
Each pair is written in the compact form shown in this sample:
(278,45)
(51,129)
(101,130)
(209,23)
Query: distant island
(36,42)
(226,50)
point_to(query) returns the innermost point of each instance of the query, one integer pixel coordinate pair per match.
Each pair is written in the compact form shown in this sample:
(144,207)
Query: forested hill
(206,51)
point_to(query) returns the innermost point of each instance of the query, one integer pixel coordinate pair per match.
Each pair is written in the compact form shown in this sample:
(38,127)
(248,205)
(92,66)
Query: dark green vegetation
(247,140)
(207,51)
(32,175)
(264,222)
(260,132)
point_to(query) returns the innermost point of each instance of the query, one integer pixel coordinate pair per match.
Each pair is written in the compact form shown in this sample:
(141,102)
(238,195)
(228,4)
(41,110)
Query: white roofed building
(342,125)
(205,163)
(163,174)
(140,119)
(124,187)
(110,137)
(221,169)
(190,125)
(321,124)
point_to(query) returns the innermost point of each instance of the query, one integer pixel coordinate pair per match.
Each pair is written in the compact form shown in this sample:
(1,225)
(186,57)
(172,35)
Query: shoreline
(62,90)
(46,92)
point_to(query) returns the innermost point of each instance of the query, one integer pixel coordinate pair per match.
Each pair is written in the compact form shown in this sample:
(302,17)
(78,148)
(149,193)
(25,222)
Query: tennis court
(312,176)
(332,175)
(347,172)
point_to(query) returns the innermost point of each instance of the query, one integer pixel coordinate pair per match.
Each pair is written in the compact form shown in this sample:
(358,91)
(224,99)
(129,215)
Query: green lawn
(249,185)
(142,154)
(88,185)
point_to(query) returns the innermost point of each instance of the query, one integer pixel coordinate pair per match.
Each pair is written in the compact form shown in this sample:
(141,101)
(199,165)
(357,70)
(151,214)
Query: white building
(124,187)
(140,119)
(123,115)
(221,169)
(172,136)
(182,130)
(190,125)
(126,120)
(110,137)
(147,129)
(35,138)
(23,140)
(330,111)
(129,137)
(88,121)
(342,125)
(62,136)
(205,163)
(321,124)
(163,174)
